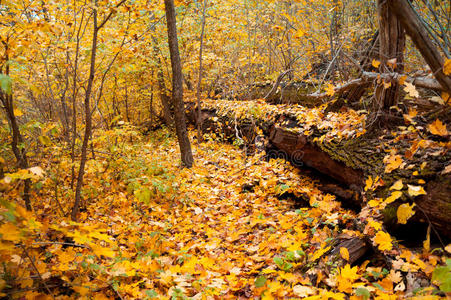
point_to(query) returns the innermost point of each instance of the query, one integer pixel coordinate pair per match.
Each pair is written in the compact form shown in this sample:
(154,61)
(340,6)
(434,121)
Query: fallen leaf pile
(233,226)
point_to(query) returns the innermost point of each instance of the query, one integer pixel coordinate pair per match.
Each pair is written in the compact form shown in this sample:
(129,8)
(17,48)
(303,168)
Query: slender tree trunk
(392,43)
(17,139)
(88,127)
(74,102)
(177,86)
(199,82)
(65,115)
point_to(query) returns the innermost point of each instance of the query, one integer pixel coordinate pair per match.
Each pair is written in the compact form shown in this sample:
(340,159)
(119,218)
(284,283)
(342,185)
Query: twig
(61,243)
(37,271)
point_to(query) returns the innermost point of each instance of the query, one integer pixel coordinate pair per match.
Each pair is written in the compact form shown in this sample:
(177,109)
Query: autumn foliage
(95,199)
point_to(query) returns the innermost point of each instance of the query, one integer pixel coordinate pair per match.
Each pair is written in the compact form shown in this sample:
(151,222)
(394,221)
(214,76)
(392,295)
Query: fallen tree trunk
(354,89)
(348,162)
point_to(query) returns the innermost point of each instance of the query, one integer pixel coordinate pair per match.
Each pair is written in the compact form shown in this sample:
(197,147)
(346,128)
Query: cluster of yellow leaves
(335,125)
(151,229)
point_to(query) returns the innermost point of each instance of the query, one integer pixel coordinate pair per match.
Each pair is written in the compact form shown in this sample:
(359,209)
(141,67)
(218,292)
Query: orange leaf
(438,128)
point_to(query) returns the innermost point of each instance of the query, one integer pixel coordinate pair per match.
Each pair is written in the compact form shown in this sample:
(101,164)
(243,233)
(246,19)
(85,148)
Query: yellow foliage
(405,212)
(383,241)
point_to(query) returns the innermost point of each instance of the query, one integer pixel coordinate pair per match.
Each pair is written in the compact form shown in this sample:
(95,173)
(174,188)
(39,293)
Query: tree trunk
(88,128)
(17,139)
(392,43)
(177,86)
(199,82)
(417,32)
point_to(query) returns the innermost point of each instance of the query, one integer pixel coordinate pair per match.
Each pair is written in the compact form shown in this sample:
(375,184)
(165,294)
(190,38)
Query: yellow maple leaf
(344,253)
(398,185)
(383,241)
(376,225)
(82,290)
(375,63)
(438,128)
(374,203)
(102,251)
(415,190)
(392,162)
(411,90)
(368,183)
(405,211)
(18,112)
(447,66)
(320,253)
(393,197)
(346,277)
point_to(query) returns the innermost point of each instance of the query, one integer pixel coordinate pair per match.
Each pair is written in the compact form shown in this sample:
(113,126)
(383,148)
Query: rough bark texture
(177,86)
(299,146)
(392,43)
(417,32)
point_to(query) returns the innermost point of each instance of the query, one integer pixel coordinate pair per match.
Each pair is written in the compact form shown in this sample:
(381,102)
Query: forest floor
(233,226)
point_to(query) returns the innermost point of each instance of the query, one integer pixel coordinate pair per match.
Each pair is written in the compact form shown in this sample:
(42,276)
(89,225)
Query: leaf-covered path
(227,233)
(233,226)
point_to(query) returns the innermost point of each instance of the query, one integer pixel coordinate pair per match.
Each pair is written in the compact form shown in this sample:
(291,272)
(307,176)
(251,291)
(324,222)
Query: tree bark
(392,43)
(177,86)
(17,139)
(415,29)
(88,125)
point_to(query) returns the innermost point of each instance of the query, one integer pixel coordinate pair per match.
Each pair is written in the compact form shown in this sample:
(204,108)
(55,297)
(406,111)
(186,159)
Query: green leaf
(151,294)
(290,256)
(260,281)
(379,286)
(363,292)
(6,84)
(300,252)
(287,266)
(442,275)
(278,261)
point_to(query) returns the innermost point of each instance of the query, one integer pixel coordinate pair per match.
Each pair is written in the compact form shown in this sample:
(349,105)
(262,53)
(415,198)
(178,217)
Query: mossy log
(348,162)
